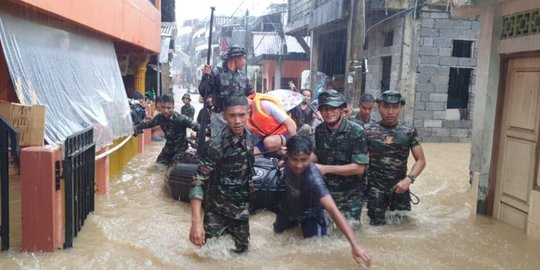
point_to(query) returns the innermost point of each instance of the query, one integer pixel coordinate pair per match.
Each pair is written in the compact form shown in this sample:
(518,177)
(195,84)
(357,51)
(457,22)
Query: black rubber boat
(268,183)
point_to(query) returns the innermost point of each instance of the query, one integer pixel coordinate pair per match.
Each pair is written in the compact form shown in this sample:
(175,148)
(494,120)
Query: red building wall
(6,87)
(289,70)
(135,21)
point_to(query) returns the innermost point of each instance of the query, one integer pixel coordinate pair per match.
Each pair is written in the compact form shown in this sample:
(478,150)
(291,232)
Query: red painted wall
(7,93)
(289,69)
(135,21)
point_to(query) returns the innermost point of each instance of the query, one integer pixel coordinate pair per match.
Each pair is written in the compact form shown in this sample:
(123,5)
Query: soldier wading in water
(389,143)
(223,180)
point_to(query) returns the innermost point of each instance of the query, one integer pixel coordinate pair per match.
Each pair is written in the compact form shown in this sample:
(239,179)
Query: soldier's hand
(402,185)
(207,69)
(361,254)
(321,168)
(196,234)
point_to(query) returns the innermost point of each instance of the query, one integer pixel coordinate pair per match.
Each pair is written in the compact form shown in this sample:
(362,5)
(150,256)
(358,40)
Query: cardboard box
(28,120)
(13,166)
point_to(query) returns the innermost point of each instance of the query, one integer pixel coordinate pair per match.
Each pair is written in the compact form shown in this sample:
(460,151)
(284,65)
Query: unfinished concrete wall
(438,34)
(375,52)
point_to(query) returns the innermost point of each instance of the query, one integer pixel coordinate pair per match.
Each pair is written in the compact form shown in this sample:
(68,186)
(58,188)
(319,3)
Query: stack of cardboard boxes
(30,124)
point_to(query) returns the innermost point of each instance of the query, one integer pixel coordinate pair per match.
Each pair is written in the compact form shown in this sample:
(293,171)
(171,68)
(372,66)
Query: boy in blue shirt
(305,197)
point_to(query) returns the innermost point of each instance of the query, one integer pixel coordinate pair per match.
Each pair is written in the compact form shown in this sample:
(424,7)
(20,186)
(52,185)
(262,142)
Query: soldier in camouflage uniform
(223,181)
(366,106)
(341,152)
(389,143)
(188,109)
(174,126)
(221,82)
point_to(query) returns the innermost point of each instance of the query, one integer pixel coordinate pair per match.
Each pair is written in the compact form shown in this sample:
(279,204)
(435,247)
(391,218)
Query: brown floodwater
(138,226)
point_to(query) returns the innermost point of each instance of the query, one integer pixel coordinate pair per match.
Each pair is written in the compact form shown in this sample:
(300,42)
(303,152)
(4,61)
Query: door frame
(501,95)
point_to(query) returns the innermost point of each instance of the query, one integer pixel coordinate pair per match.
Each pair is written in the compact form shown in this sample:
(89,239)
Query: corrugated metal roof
(270,43)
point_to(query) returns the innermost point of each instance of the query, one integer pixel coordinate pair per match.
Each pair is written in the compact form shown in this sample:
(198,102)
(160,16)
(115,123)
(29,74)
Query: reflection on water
(138,226)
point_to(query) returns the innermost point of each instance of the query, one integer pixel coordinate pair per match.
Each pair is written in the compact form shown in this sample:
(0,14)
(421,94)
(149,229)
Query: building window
(389,38)
(386,70)
(458,88)
(462,48)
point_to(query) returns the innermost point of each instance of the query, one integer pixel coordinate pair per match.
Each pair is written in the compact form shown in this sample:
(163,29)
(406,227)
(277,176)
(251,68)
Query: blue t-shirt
(303,193)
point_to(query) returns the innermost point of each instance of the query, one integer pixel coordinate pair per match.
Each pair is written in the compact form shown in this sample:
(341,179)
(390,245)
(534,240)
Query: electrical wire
(397,14)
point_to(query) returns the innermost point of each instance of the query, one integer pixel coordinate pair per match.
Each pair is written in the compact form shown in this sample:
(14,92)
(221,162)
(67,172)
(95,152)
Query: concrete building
(79,60)
(273,59)
(281,58)
(372,46)
(506,127)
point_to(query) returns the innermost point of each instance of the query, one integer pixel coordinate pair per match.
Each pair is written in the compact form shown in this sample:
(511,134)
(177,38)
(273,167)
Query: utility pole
(355,50)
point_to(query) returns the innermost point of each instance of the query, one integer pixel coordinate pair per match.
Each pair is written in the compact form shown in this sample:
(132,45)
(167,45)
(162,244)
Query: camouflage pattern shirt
(223,179)
(357,120)
(174,128)
(343,146)
(188,110)
(389,149)
(223,82)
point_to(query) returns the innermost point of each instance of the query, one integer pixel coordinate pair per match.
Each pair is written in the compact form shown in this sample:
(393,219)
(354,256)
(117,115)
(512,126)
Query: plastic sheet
(75,75)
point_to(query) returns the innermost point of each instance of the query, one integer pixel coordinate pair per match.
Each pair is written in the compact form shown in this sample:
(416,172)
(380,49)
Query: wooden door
(517,157)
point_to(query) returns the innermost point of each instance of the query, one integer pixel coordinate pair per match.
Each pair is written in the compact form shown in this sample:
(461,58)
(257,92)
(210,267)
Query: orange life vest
(261,123)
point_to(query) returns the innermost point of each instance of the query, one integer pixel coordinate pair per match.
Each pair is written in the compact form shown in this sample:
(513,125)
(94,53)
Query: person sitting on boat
(270,122)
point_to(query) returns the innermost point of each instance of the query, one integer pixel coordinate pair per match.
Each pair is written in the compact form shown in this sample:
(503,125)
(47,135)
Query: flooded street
(138,226)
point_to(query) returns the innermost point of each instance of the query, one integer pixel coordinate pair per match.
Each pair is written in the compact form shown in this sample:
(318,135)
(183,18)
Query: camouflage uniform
(357,120)
(389,149)
(188,110)
(221,83)
(223,181)
(174,128)
(343,146)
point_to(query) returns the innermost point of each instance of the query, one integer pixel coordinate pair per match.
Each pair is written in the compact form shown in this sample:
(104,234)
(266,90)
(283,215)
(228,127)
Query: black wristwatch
(412,177)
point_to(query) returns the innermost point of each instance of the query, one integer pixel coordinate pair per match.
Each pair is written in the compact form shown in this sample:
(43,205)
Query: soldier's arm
(419,164)
(196,233)
(191,112)
(420,160)
(147,124)
(202,175)
(344,170)
(185,121)
(417,168)
(418,154)
(199,186)
(207,81)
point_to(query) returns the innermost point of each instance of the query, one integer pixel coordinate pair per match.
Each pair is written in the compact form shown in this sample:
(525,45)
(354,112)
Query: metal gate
(8,135)
(79,172)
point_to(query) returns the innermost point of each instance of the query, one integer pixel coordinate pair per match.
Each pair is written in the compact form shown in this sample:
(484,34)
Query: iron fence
(79,179)
(8,143)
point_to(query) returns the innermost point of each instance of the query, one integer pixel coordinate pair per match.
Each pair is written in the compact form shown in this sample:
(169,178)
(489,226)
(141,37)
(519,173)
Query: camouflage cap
(234,50)
(391,97)
(331,98)
(186,96)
